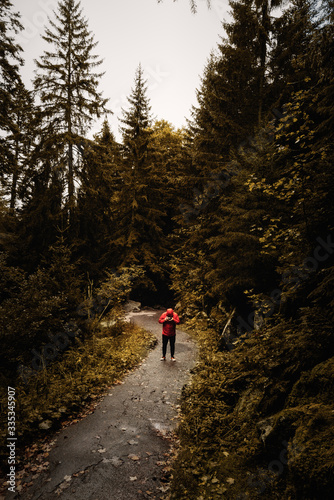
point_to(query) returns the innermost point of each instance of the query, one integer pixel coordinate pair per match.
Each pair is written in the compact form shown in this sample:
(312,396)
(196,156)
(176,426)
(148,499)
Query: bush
(258,420)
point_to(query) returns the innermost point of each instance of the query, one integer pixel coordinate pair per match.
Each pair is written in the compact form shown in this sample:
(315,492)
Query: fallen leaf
(102,450)
(67,478)
(134,457)
(230,480)
(115,461)
(164,488)
(226,453)
(133,478)
(45,425)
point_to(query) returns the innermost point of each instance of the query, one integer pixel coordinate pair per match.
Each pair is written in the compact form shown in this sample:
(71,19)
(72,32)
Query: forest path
(119,451)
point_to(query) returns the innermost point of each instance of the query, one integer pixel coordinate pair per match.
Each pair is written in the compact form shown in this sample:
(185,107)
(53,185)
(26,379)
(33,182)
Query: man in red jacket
(169,320)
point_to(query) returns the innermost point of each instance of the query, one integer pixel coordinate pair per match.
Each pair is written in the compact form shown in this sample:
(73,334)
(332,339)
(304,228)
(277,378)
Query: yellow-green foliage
(84,371)
(258,422)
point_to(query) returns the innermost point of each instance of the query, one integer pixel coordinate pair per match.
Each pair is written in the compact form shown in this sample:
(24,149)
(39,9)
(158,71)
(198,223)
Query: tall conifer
(10,62)
(218,246)
(67,84)
(137,211)
(101,180)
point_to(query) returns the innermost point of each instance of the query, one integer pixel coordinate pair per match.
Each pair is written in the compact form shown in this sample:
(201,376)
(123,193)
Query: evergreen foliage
(67,84)
(101,180)
(266,400)
(10,62)
(137,211)
(232,217)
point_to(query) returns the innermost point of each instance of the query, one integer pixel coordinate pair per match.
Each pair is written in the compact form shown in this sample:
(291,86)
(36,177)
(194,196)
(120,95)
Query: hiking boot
(163,358)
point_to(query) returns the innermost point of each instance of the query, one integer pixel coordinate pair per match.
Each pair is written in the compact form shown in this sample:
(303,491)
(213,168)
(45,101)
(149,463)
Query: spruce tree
(293,35)
(136,125)
(67,84)
(293,173)
(21,140)
(10,62)
(167,154)
(137,211)
(218,245)
(101,181)
(234,95)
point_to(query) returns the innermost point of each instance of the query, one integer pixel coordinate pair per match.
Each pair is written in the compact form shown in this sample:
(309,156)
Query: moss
(257,420)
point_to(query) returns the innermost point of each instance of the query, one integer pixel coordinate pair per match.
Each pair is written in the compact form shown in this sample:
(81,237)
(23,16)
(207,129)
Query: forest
(230,220)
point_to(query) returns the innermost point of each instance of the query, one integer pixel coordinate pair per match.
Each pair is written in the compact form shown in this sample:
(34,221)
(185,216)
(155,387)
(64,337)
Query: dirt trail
(118,452)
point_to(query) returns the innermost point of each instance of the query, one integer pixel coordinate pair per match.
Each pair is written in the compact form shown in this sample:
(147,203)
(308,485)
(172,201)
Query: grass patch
(83,373)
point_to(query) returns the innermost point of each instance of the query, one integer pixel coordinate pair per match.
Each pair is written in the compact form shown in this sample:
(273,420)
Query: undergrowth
(258,421)
(64,387)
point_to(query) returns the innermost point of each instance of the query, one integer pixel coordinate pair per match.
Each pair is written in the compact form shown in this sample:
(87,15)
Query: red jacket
(169,326)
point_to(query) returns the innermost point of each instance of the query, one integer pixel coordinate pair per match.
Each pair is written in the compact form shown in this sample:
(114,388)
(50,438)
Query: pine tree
(322,56)
(234,95)
(293,35)
(219,246)
(293,173)
(101,181)
(22,139)
(10,62)
(138,237)
(41,216)
(136,125)
(67,84)
(167,153)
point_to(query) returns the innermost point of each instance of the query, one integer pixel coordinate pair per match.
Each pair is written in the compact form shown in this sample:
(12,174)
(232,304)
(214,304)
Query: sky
(170,42)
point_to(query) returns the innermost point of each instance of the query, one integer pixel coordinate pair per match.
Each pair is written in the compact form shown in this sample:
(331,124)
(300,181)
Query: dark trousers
(165,340)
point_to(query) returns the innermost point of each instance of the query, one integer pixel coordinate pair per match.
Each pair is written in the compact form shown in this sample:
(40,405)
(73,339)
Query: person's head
(170,312)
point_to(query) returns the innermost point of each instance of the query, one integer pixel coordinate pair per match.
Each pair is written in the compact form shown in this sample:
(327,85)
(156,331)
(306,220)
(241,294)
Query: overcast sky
(170,42)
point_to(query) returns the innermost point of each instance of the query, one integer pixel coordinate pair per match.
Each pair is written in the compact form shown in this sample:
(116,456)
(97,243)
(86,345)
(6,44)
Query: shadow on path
(118,452)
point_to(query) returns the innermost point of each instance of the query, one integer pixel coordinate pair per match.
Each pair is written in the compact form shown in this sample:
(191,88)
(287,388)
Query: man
(169,320)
